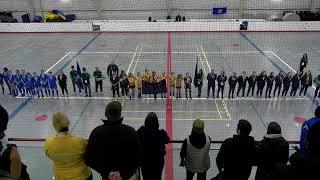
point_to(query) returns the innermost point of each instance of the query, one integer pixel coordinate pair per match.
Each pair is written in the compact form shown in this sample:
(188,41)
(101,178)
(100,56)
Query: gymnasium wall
(128,9)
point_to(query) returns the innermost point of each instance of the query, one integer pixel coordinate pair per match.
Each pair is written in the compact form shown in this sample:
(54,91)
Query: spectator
(273,151)
(317,82)
(114,146)
(237,154)
(305,128)
(10,161)
(66,151)
(194,153)
(306,167)
(153,143)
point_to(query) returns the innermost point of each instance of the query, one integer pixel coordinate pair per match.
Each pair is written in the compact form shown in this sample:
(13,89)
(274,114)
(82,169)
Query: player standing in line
(36,82)
(124,84)
(270,80)
(44,81)
(286,84)
(162,77)
(2,82)
(86,82)
(132,85)
(261,82)
(178,84)
(24,79)
(29,86)
(279,81)
(303,62)
(154,84)
(19,83)
(62,79)
(172,80)
(252,80)
(242,82)
(12,83)
(232,84)
(295,84)
(53,84)
(221,83)
(6,79)
(199,82)
(187,85)
(306,82)
(74,78)
(139,84)
(211,77)
(98,77)
(317,82)
(112,68)
(115,81)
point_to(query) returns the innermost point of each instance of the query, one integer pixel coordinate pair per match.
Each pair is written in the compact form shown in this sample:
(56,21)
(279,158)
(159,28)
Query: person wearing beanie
(10,161)
(194,152)
(305,128)
(273,151)
(113,146)
(153,142)
(237,154)
(66,151)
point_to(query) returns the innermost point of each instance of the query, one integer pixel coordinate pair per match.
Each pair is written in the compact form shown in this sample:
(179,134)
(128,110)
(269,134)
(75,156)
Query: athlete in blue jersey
(36,84)
(2,82)
(12,83)
(44,82)
(53,83)
(19,83)
(6,79)
(24,79)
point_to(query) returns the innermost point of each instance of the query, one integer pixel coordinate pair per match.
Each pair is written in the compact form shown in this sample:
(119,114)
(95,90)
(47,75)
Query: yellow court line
(134,55)
(226,109)
(134,69)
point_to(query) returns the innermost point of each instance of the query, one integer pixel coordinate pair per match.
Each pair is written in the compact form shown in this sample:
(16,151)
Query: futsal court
(161,52)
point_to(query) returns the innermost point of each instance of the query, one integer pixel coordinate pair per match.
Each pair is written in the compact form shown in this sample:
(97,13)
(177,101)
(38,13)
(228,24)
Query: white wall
(130,9)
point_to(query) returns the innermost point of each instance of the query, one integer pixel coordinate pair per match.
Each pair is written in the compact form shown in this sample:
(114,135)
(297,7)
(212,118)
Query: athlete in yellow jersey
(139,83)
(132,85)
(162,77)
(172,80)
(179,85)
(146,76)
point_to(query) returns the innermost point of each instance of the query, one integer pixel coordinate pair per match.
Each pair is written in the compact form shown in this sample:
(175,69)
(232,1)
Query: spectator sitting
(273,151)
(66,151)
(153,143)
(10,162)
(306,167)
(114,146)
(237,154)
(195,152)
(305,128)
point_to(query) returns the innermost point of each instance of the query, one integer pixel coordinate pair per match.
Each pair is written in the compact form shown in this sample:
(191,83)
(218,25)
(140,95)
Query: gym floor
(160,52)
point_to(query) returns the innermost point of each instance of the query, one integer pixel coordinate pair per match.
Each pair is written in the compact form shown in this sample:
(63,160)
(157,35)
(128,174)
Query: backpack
(5,160)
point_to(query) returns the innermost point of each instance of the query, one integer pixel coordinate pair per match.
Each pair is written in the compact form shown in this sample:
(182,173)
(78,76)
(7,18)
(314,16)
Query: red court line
(169,156)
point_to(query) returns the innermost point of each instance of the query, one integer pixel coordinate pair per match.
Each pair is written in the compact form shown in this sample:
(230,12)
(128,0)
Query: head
(29,75)
(34,73)
(122,72)
(254,73)
(97,68)
(23,71)
(61,72)
(17,72)
(164,74)
(244,73)
(317,112)
(187,74)
(113,111)
(151,121)
(212,71)
(84,69)
(244,127)
(281,73)
(154,73)
(42,71)
(305,55)
(271,74)
(274,128)
(222,73)
(289,74)
(130,75)
(5,69)
(313,139)
(264,73)
(198,126)
(201,71)
(309,72)
(138,74)
(4,118)
(50,73)
(72,67)
(60,122)
(234,74)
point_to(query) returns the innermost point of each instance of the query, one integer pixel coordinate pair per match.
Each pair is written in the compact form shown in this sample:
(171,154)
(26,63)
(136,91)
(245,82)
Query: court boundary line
(138,59)
(132,59)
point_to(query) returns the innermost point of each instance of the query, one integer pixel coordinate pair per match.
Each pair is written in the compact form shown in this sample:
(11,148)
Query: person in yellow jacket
(132,85)
(172,80)
(66,151)
(147,75)
(139,83)
(178,85)
(162,77)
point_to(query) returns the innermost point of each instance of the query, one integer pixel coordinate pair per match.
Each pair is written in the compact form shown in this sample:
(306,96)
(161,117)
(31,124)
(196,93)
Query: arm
(220,157)
(15,165)
(183,152)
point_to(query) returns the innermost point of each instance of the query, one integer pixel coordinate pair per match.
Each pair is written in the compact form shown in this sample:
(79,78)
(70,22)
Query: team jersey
(139,81)
(24,79)
(178,83)
(44,80)
(132,81)
(52,82)
(36,81)
(172,80)
(30,83)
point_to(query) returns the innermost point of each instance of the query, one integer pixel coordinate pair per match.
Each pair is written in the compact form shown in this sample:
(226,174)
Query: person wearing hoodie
(273,151)
(270,81)
(295,84)
(306,82)
(237,154)
(153,141)
(194,153)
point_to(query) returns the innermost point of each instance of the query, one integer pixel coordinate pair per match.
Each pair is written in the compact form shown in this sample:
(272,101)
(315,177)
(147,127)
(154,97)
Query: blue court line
(26,101)
(314,101)
(85,108)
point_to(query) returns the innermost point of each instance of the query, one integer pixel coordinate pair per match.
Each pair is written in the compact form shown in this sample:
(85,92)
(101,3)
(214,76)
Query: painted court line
(135,66)
(174,52)
(134,55)
(287,65)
